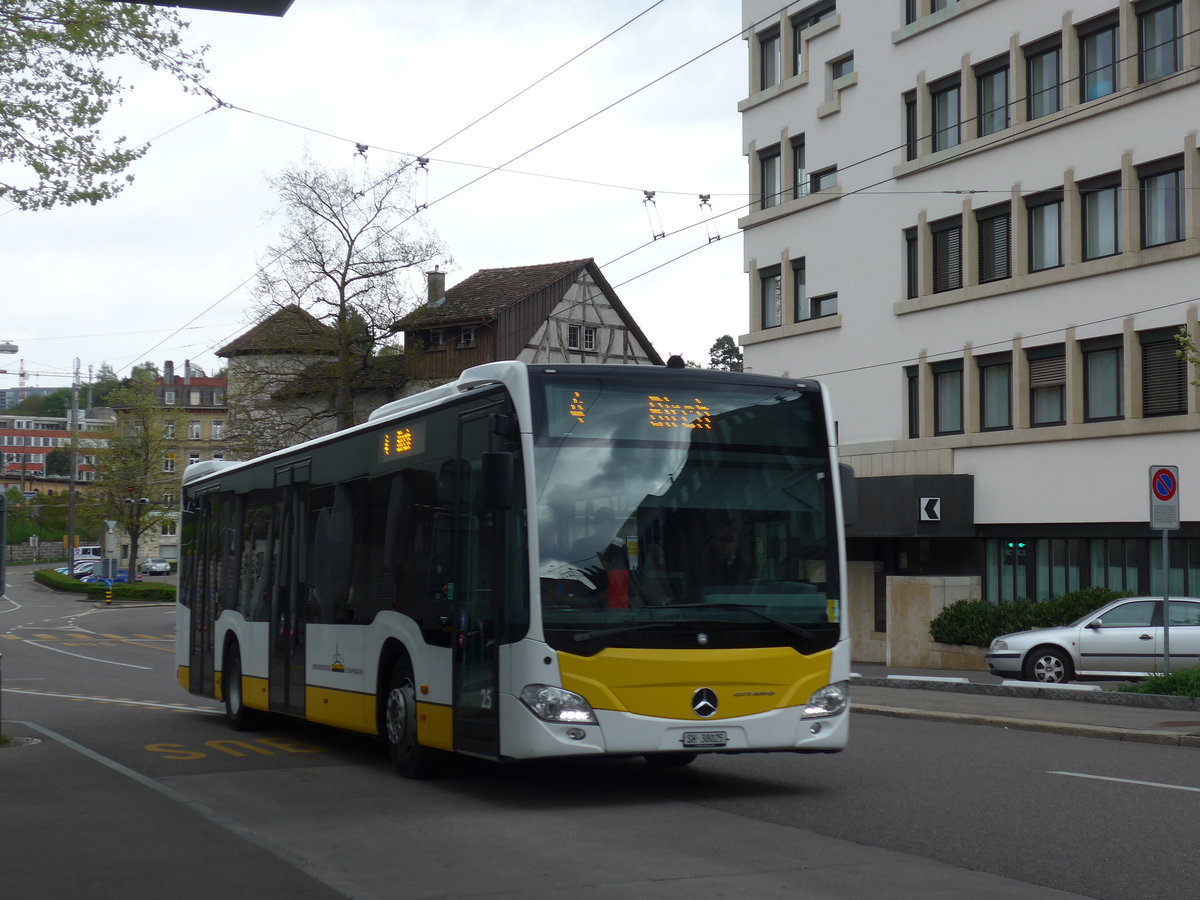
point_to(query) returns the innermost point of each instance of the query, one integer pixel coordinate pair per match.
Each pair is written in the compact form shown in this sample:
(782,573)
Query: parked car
(1122,638)
(81,569)
(156,565)
(121,577)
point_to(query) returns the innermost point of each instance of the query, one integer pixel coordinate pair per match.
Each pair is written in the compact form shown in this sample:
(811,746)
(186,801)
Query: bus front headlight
(828,701)
(554,704)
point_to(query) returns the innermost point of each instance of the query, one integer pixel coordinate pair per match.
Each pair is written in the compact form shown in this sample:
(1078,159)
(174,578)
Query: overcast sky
(161,271)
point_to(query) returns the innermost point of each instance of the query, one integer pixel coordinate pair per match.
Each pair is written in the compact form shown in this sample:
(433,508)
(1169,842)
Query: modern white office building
(979,223)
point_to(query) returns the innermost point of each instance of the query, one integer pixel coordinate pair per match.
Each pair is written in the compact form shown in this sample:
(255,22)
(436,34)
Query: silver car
(1123,638)
(155,566)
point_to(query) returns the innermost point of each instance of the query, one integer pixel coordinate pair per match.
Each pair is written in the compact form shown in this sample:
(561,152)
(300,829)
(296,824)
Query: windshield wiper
(613,632)
(778,623)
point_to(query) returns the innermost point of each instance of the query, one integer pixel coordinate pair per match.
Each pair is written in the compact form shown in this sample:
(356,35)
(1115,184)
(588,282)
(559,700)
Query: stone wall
(912,602)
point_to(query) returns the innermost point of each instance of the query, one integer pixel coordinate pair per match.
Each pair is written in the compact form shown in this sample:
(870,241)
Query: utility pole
(71,474)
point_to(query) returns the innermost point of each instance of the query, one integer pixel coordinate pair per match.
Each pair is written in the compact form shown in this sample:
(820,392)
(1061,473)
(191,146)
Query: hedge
(136,591)
(977,622)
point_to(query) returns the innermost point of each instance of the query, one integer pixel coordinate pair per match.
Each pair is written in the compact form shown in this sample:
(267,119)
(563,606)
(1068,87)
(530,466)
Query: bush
(1184,683)
(136,591)
(976,622)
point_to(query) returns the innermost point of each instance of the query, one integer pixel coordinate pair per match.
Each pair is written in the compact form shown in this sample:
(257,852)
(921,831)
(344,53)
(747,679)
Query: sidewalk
(980,698)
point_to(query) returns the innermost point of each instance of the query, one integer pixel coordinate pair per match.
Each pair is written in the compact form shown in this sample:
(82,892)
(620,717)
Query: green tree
(105,382)
(1189,352)
(724,354)
(344,258)
(137,474)
(55,90)
(58,462)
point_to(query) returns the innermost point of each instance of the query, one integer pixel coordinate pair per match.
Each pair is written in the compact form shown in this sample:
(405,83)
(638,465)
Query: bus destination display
(401,441)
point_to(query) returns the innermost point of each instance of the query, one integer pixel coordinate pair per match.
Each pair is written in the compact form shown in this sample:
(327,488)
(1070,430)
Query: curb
(1112,698)
(1167,738)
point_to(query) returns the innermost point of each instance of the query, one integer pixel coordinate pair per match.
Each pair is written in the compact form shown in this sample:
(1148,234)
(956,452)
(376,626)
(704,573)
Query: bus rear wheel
(400,725)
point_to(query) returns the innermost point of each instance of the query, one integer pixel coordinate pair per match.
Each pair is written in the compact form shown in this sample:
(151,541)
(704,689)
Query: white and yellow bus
(535,561)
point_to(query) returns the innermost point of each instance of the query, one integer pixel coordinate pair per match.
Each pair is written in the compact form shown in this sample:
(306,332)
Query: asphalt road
(914,808)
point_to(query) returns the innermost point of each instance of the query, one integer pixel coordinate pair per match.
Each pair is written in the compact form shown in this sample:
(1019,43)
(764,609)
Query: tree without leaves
(54,93)
(344,259)
(133,467)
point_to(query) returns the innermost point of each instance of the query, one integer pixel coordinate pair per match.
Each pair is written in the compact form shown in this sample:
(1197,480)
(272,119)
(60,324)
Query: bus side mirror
(498,470)
(849,495)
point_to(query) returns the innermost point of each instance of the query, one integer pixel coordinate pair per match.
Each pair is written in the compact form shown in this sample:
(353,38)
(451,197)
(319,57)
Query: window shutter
(947,259)
(1164,380)
(1047,372)
(994,243)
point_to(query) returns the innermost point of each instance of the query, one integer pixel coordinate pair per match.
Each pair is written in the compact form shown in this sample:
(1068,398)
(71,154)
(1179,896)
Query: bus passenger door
(289,594)
(477,605)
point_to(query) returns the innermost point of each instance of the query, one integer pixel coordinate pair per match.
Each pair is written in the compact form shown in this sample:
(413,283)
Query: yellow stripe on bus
(342,709)
(435,726)
(661,683)
(183,675)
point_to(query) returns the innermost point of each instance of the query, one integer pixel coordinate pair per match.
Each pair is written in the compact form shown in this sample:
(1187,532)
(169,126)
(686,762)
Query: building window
(992,85)
(1159,40)
(169,462)
(825,305)
(1045,231)
(169,527)
(169,431)
(823,180)
(772,297)
(168,398)
(1102,379)
(768,46)
(1101,203)
(218,456)
(800,306)
(193,431)
(193,458)
(218,431)
(769,165)
(466,336)
(574,337)
(947,398)
(1162,203)
(946,240)
(1047,381)
(1098,51)
(589,338)
(218,397)
(193,398)
(437,339)
(1045,83)
(168,499)
(912,130)
(947,124)
(840,68)
(1164,375)
(995,392)
(994,229)
(799,172)
(912,264)
(912,387)
(805,19)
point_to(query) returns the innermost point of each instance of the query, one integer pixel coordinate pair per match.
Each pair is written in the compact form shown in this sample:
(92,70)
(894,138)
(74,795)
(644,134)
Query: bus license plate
(704,738)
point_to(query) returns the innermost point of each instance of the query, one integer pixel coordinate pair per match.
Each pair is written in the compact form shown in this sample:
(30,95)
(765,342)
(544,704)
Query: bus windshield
(668,507)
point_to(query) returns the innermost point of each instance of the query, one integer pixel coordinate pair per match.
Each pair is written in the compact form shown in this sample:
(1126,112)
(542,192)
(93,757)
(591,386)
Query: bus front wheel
(240,718)
(400,725)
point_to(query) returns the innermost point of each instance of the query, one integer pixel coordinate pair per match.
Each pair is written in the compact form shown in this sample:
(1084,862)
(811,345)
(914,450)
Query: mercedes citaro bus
(535,561)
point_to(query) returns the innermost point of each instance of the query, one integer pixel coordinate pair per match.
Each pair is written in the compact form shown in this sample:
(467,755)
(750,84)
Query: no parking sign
(1164,497)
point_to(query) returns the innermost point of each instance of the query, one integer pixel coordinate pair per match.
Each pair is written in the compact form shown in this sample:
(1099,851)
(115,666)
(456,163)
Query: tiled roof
(290,330)
(489,291)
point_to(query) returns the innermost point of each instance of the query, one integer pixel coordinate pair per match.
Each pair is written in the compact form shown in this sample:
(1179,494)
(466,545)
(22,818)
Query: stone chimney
(187,371)
(437,287)
(168,373)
